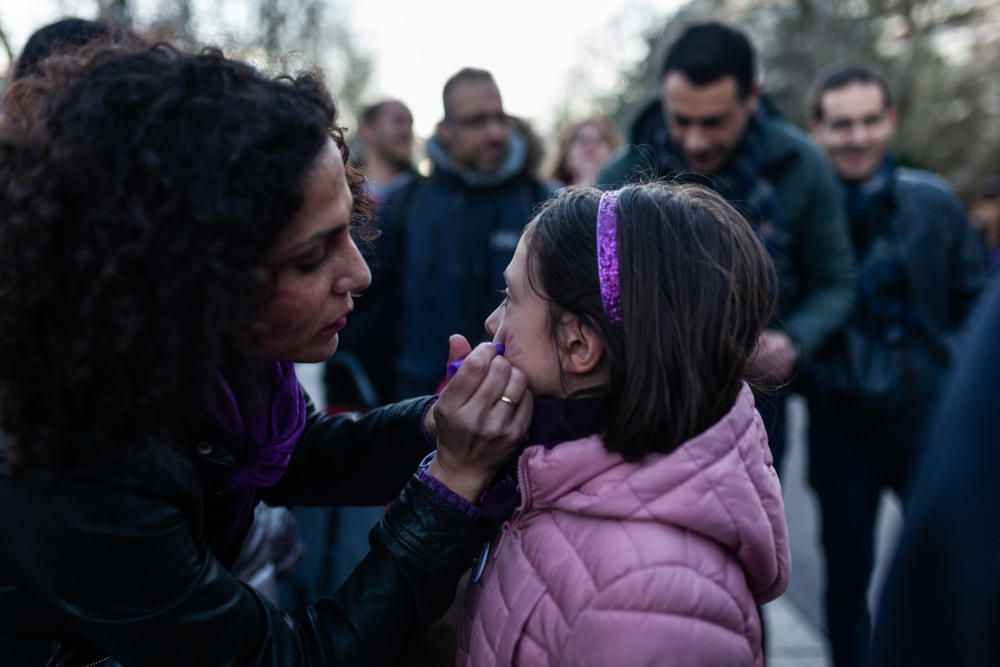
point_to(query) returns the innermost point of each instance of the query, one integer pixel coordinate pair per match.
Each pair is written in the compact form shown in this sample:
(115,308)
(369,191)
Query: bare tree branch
(5,41)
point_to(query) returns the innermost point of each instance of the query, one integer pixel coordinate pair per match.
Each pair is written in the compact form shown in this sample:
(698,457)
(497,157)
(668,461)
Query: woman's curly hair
(140,188)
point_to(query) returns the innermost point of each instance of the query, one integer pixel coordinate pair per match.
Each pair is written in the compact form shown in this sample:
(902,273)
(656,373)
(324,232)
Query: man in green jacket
(709,125)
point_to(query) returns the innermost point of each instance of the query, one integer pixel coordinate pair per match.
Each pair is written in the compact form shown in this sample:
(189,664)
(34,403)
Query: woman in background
(584,147)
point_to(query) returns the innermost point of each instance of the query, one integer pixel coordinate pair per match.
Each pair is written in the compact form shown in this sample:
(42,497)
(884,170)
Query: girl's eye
(506,296)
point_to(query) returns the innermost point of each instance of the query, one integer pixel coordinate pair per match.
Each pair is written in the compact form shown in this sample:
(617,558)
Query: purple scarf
(265,425)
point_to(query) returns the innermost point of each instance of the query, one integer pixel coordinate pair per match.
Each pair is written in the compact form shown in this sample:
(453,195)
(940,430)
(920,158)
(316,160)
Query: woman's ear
(581,348)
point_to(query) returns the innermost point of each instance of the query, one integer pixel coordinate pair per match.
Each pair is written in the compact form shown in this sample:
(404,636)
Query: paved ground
(795,635)
(796,620)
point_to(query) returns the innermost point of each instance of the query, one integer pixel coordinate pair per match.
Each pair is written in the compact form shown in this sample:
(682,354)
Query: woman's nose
(357,276)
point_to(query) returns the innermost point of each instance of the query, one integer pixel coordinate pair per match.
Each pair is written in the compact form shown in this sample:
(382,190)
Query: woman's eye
(506,296)
(310,266)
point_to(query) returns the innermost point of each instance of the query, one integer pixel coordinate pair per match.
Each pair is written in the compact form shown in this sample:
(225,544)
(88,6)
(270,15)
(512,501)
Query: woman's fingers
(518,426)
(492,386)
(497,424)
(470,376)
(484,414)
(516,387)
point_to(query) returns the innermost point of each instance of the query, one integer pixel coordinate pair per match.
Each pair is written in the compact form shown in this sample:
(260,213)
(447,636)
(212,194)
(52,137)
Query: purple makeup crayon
(454,366)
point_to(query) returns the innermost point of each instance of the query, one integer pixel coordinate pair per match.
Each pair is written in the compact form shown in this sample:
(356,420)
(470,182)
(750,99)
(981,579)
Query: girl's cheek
(512,349)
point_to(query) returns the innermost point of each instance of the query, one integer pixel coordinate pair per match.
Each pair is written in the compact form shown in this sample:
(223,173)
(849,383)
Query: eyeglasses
(481,120)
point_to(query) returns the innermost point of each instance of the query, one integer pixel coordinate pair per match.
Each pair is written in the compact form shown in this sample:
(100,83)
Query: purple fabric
(556,420)
(446,494)
(265,424)
(607,256)
(270,422)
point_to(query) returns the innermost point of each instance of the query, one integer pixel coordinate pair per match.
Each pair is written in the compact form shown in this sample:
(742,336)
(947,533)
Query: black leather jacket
(110,556)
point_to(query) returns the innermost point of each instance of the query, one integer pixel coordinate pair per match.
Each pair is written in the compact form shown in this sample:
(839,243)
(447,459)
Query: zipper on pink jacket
(508,525)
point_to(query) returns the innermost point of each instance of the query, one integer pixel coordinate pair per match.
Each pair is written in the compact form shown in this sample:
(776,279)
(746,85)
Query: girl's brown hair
(697,289)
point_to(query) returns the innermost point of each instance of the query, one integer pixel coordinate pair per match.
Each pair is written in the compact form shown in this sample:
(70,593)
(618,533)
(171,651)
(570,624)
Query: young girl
(650,523)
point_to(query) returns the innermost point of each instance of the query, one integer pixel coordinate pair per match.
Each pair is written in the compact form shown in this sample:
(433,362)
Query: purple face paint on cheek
(513,349)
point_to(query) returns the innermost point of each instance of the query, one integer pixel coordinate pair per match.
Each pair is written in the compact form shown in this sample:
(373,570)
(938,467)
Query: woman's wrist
(427,426)
(468,487)
(463,505)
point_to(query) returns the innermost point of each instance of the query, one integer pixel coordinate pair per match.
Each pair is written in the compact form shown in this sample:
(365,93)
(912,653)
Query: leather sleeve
(125,571)
(353,459)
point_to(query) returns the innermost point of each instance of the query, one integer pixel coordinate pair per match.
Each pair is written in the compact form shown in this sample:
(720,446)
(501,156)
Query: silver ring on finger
(509,401)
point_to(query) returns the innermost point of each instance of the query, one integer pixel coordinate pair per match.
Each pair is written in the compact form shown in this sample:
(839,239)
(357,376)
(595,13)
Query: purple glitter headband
(607,256)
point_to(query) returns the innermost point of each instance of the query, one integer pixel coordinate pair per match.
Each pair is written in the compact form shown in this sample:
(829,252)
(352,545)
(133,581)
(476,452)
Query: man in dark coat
(460,227)
(871,386)
(709,124)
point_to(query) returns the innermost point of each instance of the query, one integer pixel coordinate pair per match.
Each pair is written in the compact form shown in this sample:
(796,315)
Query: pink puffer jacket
(614,563)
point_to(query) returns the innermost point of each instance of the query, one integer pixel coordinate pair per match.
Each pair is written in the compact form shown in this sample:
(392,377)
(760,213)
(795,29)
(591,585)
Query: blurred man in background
(461,226)
(385,139)
(873,384)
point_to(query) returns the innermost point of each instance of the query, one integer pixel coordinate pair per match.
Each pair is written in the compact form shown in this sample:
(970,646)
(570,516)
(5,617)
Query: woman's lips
(332,329)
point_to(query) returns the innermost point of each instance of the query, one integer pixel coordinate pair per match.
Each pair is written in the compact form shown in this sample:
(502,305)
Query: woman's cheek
(287,312)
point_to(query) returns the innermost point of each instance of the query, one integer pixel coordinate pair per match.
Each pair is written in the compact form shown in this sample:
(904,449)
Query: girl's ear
(581,349)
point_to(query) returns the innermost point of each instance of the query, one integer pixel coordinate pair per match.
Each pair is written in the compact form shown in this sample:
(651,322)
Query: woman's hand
(480,420)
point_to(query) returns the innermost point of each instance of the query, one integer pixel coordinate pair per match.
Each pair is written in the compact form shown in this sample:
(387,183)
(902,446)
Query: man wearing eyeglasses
(461,226)
(873,384)
(710,124)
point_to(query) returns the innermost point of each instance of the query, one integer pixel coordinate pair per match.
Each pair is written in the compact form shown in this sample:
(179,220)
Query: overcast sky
(531,46)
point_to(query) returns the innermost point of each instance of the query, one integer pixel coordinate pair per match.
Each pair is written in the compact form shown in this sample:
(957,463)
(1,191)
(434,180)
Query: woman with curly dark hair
(175,231)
